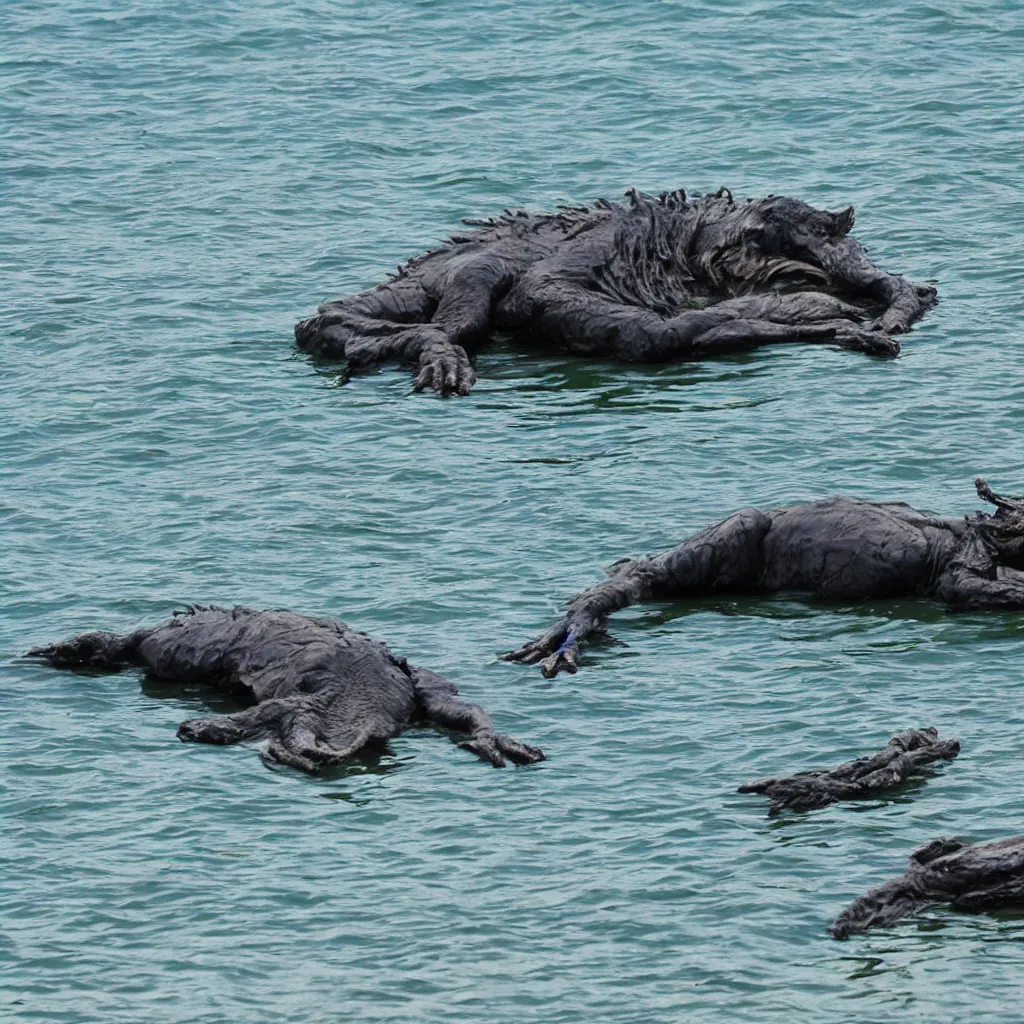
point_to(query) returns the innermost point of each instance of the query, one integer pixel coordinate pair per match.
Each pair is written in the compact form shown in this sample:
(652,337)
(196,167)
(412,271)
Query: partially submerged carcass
(987,876)
(321,692)
(838,549)
(649,280)
(904,755)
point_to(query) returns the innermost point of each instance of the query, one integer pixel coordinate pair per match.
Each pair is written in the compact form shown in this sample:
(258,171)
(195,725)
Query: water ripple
(183,182)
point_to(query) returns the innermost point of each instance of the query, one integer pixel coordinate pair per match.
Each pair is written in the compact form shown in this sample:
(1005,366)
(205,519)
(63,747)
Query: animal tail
(92,650)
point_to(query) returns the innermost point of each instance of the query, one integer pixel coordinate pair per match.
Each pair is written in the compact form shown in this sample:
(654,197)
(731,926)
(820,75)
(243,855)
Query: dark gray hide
(839,549)
(650,280)
(905,755)
(321,692)
(969,878)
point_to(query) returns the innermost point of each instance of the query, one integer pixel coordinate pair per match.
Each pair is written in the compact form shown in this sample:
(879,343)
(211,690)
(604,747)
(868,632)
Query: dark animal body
(987,876)
(841,549)
(321,692)
(650,280)
(904,755)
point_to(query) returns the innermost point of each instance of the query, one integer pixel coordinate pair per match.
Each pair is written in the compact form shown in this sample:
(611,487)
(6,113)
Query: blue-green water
(182,182)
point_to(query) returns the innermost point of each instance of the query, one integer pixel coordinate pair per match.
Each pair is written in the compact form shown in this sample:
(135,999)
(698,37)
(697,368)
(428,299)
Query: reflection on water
(218,699)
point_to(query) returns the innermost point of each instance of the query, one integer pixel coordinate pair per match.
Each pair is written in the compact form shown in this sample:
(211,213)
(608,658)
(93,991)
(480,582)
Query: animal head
(1004,529)
(751,243)
(790,227)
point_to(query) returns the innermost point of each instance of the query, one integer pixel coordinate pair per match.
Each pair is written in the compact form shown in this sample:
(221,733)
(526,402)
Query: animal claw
(873,341)
(560,661)
(529,654)
(495,747)
(485,748)
(446,370)
(519,753)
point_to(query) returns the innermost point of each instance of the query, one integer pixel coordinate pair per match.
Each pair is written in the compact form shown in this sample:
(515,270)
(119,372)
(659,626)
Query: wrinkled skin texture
(840,549)
(904,756)
(650,280)
(969,878)
(321,692)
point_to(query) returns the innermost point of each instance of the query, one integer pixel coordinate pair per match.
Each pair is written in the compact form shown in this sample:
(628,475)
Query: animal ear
(843,220)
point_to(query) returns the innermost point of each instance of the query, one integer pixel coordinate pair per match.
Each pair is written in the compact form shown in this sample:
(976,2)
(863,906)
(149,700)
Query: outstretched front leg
(591,323)
(788,310)
(436,700)
(725,556)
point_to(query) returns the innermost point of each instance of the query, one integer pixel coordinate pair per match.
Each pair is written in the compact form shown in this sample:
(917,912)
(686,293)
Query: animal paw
(218,729)
(495,747)
(278,753)
(519,753)
(445,369)
(872,342)
(892,323)
(556,651)
(898,318)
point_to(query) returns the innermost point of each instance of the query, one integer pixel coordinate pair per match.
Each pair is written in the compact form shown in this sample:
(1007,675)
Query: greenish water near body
(180,184)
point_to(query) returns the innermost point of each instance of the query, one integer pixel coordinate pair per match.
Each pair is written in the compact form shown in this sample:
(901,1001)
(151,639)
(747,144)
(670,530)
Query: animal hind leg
(973,578)
(343,330)
(464,315)
(966,590)
(302,731)
(1000,894)
(309,743)
(882,906)
(803,307)
(402,320)
(591,323)
(458,321)
(252,723)
(368,327)
(98,649)
(438,703)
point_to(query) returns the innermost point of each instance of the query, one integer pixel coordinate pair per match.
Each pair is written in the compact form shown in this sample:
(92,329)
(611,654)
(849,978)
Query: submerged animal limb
(969,878)
(724,556)
(438,703)
(320,692)
(904,755)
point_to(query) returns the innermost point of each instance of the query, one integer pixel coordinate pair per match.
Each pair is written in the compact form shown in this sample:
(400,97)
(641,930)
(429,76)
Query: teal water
(180,184)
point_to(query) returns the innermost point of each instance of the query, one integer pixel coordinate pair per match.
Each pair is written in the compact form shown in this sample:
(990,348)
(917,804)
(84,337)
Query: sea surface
(180,183)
